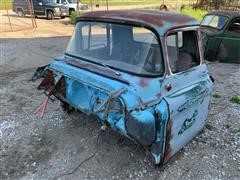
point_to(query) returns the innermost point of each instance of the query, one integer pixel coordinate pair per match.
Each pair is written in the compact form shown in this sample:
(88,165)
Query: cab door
(186,88)
(229,50)
(39,7)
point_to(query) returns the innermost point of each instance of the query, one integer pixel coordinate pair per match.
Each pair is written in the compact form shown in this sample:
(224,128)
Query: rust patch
(157,18)
(168,149)
(47,81)
(142,103)
(158,95)
(49,85)
(143,82)
(61,87)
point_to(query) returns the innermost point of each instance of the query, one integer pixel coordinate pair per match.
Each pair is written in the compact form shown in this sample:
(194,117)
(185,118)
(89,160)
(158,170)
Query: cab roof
(159,20)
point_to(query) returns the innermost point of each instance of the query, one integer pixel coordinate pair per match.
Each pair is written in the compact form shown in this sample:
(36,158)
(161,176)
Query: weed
(209,126)
(227,126)
(216,95)
(235,99)
(198,14)
(235,131)
(73,16)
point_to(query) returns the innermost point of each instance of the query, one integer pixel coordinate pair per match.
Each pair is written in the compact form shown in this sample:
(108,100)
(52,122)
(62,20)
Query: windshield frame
(50,1)
(219,29)
(71,1)
(128,23)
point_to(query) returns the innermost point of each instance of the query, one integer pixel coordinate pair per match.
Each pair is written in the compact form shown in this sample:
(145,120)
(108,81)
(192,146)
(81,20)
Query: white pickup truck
(72,5)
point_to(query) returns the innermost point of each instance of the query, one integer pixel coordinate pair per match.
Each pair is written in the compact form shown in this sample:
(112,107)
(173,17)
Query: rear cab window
(123,47)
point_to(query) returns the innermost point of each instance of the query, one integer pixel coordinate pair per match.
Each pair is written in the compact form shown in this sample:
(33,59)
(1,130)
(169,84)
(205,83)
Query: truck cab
(138,72)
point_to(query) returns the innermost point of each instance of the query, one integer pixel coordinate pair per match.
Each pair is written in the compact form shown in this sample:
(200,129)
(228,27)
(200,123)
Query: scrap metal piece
(41,72)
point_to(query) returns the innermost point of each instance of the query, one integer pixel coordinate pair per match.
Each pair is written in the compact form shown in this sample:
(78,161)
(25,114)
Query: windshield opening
(215,21)
(122,47)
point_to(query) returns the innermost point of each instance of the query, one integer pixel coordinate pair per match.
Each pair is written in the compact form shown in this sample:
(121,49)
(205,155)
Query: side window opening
(235,26)
(183,51)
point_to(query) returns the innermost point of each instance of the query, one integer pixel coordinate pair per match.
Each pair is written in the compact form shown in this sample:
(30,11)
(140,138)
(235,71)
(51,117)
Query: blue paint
(140,108)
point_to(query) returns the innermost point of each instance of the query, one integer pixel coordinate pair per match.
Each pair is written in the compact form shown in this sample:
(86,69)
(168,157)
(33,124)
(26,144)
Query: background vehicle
(222,31)
(47,8)
(140,73)
(72,5)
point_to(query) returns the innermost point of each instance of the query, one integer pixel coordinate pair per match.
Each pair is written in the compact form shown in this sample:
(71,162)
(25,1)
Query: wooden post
(77,7)
(8,16)
(30,11)
(33,13)
(91,5)
(107,4)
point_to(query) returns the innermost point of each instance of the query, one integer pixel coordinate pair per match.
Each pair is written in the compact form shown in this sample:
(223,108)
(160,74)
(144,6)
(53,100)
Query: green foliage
(236,130)
(216,95)
(73,17)
(235,99)
(209,126)
(198,14)
(227,126)
(7,4)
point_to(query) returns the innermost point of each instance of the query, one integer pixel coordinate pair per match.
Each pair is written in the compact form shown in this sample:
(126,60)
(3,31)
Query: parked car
(72,5)
(138,72)
(222,31)
(47,8)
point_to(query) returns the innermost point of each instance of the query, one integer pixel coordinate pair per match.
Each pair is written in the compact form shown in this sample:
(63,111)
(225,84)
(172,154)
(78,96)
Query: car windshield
(123,47)
(215,21)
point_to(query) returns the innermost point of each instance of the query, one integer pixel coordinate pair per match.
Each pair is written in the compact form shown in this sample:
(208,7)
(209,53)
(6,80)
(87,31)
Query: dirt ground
(43,148)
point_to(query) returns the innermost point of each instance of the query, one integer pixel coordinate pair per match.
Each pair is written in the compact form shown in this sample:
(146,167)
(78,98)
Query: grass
(216,95)
(209,126)
(235,99)
(236,130)
(73,17)
(8,4)
(198,14)
(227,126)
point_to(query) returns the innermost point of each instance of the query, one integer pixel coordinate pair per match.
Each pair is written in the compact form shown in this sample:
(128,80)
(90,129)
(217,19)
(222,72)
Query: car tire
(62,17)
(20,13)
(50,15)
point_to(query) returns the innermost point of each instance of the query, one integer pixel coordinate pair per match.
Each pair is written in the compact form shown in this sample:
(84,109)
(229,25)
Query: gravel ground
(35,148)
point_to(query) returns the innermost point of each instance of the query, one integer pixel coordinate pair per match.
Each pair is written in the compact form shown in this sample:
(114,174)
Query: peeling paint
(138,106)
